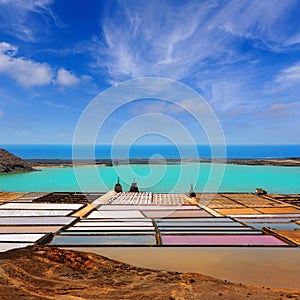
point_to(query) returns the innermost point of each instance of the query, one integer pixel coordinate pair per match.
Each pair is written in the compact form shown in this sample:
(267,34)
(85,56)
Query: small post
(192,193)
(118,187)
(134,188)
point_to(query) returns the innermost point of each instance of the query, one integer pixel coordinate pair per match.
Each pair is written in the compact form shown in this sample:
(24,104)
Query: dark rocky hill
(10,163)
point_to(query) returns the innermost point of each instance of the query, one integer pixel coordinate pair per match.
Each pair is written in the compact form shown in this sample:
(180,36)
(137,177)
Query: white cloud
(66,78)
(287,77)
(31,73)
(25,72)
(8,49)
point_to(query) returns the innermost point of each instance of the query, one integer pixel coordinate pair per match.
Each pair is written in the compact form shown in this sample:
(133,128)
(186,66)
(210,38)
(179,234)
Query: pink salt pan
(222,240)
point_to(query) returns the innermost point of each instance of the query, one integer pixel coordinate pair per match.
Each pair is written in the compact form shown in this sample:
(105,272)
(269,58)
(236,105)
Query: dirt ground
(51,273)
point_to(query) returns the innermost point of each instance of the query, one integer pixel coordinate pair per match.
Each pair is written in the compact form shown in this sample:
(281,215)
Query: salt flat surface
(110,228)
(222,240)
(145,207)
(21,237)
(36,220)
(48,206)
(279,210)
(95,231)
(203,228)
(10,246)
(29,229)
(176,213)
(276,226)
(213,219)
(267,216)
(200,224)
(116,214)
(104,240)
(267,220)
(116,219)
(199,232)
(33,213)
(112,223)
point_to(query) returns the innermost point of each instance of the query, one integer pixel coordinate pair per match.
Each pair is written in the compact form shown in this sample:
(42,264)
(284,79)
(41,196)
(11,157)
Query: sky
(241,56)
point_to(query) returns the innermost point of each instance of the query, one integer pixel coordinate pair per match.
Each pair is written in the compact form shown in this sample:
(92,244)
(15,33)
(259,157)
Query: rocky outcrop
(10,163)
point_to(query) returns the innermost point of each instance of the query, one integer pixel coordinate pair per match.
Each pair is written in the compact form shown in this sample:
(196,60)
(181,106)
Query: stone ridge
(10,163)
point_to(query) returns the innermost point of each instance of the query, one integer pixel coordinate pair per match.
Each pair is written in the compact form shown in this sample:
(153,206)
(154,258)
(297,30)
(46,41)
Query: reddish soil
(51,273)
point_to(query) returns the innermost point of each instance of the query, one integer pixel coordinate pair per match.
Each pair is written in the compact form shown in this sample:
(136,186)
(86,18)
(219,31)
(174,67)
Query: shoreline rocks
(9,163)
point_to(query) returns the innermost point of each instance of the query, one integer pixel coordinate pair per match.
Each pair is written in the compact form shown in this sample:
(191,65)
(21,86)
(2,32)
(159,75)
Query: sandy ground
(42,163)
(51,273)
(7,196)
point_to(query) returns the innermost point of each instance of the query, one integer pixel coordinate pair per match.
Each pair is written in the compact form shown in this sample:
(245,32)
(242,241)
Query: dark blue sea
(148,151)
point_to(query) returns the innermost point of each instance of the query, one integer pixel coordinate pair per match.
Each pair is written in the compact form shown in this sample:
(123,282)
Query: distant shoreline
(44,163)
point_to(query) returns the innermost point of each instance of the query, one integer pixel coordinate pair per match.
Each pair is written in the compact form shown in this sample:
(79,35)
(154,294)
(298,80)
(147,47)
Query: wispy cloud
(287,77)
(19,18)
(1,113)
(262,22)
(153,40)
(281,111)
(158,39)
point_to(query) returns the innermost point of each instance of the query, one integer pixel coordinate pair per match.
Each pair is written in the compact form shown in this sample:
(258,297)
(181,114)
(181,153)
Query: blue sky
(242,56)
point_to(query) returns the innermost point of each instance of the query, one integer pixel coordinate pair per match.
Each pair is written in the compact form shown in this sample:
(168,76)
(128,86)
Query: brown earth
(8,196)
(10,163)
(51,273)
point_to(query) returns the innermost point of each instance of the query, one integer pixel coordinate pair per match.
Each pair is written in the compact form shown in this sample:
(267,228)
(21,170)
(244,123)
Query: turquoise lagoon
(158,178)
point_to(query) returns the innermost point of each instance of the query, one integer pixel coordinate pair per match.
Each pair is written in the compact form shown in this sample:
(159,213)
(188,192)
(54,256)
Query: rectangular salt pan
(267,220)
(29,229)
(200,224)
(203,228)
(276,226)
(175,214)
(47,206)
(33,213)
(267,216)
(120,228)
(100,224)
(279,210)
(134,240)
(222,240)
(236,211)
(34,195)
(37,221)
(100,232)
(146,207)
(116,214)
(188,232)
(10,246)
(116,219)
(214,219)
(21,237)
(22,201)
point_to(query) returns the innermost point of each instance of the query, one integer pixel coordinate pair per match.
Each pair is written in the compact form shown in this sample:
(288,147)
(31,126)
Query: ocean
(164,178)
(148,151)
